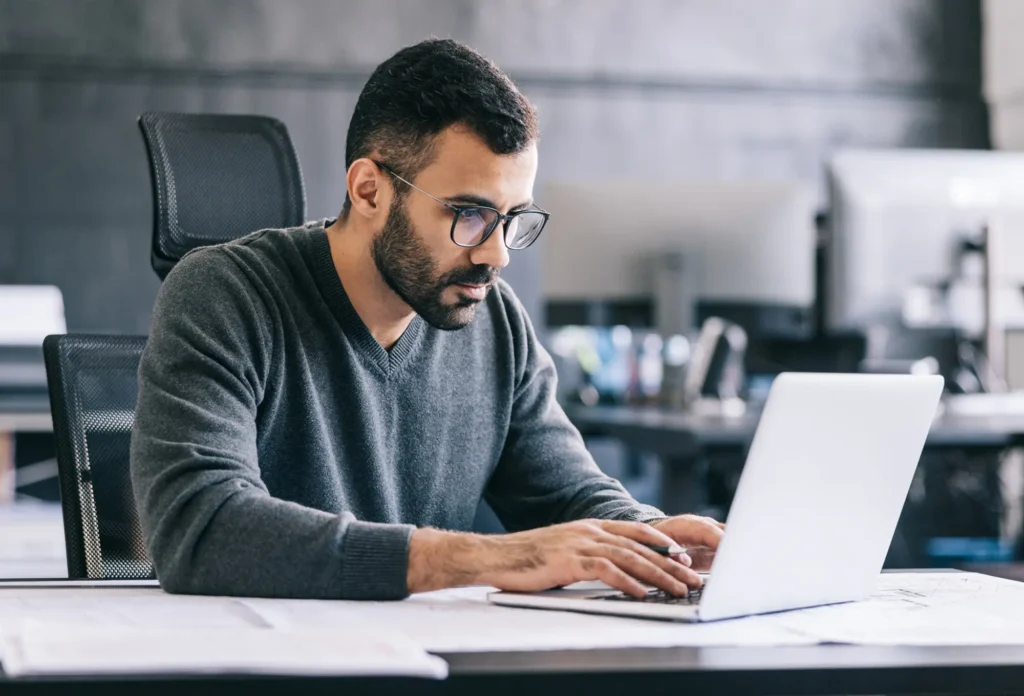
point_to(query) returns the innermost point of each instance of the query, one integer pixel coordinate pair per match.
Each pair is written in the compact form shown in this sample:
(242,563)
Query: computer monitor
(898,219)
(744,243)
(29,313)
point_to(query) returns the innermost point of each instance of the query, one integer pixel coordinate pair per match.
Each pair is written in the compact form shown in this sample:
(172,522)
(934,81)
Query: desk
(804,670)
(19,413)
(32,541)
(678,438)
(674,433)
(817,669)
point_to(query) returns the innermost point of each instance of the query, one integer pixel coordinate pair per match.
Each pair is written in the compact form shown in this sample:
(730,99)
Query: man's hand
(699,535)
(540,559)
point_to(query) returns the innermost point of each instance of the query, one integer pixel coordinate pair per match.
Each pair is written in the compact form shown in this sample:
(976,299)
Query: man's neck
(383,312)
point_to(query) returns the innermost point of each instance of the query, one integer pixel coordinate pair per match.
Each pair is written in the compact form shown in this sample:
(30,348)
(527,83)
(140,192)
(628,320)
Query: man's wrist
(439,560)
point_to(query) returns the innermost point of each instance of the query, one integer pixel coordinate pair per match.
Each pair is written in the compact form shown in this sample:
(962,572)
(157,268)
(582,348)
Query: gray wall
(1004,71)
(662,88)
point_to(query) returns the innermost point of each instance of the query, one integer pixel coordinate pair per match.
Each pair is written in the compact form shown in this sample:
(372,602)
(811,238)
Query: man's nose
(493,251)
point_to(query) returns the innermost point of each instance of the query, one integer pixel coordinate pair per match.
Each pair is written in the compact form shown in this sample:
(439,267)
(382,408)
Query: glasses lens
(524,229)
(472,225)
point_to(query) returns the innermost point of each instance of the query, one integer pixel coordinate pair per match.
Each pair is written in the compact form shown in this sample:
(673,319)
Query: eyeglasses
(472,225)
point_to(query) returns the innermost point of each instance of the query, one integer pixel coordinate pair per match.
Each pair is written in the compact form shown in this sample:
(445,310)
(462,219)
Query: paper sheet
(921,609)
(117,609)
(464,621)
(905,609)
(40,649)
(120,608)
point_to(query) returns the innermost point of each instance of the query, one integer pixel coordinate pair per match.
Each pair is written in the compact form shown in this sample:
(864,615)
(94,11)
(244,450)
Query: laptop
(814,513)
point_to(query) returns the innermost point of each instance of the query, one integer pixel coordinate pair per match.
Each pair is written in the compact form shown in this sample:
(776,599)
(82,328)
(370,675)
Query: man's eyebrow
(473,199)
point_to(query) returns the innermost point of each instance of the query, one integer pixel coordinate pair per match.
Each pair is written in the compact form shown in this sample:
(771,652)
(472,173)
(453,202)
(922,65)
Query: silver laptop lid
(822,489)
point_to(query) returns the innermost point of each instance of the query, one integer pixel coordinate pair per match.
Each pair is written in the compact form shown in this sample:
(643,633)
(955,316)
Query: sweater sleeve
(211,526)
(545,474)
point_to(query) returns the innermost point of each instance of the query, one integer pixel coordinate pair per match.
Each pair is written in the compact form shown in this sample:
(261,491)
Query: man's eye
(472,213)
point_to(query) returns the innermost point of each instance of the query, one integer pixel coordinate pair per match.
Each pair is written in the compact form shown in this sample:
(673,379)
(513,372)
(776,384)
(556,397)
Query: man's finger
(642,569)
(675,568)
(638,531)
(702,558)
(607,572)
(696,531)
(712,520)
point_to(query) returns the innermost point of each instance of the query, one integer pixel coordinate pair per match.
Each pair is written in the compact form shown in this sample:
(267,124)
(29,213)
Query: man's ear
(366,191)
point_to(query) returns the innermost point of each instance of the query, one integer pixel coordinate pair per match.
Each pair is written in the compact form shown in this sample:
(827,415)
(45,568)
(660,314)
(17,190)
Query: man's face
(414,252)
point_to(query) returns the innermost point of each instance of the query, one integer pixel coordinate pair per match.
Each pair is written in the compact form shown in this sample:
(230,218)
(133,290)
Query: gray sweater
(280,451)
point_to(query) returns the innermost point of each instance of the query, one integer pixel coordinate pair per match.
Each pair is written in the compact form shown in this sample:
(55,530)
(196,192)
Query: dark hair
(422,90)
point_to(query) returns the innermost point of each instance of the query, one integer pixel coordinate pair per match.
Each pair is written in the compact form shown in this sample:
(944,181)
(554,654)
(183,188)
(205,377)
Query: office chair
(93,392)
(217,178)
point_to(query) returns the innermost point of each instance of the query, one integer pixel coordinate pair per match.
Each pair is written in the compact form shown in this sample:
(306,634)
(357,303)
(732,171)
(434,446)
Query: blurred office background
(689,149)
(661,90)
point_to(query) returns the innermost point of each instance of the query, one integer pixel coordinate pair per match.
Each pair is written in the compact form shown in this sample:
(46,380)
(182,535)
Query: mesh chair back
(217,178)
(93,392)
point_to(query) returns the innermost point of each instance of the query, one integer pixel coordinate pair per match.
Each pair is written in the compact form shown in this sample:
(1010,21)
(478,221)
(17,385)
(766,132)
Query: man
(319,406)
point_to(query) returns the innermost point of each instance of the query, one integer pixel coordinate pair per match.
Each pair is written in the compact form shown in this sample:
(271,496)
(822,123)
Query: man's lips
(476,291)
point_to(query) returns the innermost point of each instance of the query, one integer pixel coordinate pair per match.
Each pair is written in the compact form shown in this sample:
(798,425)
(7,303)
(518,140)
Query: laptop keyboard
(655,596)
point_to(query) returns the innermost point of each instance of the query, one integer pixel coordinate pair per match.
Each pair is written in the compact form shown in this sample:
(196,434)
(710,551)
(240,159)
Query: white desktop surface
(928,609)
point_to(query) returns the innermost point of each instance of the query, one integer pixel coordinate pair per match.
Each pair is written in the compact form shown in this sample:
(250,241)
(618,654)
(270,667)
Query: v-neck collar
(326,276)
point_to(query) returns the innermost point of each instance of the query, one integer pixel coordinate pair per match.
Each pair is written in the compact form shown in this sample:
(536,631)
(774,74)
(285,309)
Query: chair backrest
(217,178)
(93,387)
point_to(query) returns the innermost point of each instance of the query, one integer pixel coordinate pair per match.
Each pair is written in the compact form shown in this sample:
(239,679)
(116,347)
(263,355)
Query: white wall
(1004,71)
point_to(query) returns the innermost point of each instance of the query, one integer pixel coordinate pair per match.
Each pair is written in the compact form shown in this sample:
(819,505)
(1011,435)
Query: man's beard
(404,262)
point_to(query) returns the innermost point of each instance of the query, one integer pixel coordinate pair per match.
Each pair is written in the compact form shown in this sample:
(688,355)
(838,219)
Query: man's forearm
(439,560)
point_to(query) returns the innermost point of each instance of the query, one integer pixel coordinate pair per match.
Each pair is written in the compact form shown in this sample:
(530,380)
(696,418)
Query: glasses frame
(500,218)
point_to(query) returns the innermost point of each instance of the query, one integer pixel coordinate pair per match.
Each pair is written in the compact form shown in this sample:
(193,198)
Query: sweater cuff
(646,514)
(375,561)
